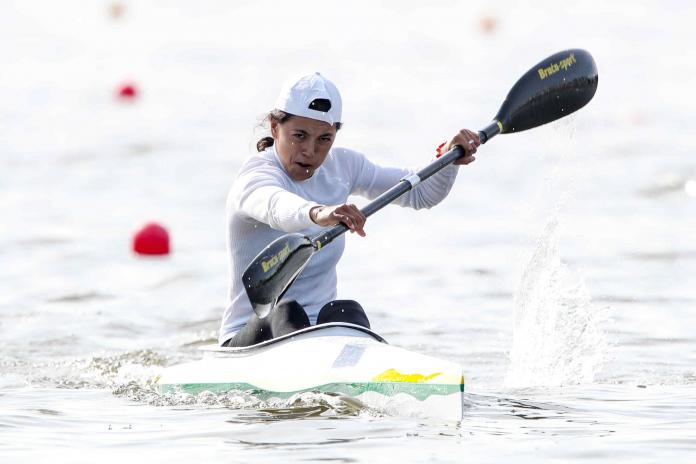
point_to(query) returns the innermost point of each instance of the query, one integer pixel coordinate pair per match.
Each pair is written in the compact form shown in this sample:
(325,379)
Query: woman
(299,182)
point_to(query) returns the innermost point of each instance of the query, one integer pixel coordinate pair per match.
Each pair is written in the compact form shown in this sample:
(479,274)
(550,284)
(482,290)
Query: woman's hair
(280,117)
(274,116)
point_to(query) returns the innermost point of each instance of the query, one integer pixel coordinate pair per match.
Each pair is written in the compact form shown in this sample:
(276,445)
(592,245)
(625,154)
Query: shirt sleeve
(266,200)
(371,180)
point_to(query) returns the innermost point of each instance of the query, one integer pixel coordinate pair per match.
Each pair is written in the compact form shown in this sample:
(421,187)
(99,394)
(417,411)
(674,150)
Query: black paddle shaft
(406,184)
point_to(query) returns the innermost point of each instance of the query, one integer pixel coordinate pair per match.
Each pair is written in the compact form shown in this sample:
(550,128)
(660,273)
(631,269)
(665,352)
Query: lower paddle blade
(554,88)
(274,269)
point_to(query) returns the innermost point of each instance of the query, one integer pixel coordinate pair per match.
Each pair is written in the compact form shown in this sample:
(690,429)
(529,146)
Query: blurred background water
(559,272)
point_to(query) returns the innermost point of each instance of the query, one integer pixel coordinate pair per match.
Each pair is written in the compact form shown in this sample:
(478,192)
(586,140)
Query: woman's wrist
(313,212)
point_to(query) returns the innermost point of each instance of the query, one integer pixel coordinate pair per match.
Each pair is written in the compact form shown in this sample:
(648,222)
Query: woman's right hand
(468,140)
(348,214)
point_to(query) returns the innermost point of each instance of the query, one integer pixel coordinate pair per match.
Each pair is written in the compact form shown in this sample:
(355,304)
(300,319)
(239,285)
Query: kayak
(333,358)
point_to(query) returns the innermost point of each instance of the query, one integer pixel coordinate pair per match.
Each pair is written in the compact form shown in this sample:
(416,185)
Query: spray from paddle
(557,338)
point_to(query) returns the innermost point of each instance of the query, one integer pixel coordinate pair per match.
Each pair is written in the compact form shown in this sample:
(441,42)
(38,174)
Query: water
(559,272)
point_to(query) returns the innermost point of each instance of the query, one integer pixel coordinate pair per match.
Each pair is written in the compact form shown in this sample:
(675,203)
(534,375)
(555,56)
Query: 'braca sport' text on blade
(273,270)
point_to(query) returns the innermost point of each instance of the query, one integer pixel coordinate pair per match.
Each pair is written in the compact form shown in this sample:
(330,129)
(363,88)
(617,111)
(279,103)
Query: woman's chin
(302,174)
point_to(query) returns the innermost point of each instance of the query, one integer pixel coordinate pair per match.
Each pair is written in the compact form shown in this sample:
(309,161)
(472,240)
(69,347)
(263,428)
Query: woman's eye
(325,139)
(299,136)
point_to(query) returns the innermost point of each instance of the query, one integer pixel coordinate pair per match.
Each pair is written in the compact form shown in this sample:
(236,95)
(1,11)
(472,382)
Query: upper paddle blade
(557,86)
(274,269)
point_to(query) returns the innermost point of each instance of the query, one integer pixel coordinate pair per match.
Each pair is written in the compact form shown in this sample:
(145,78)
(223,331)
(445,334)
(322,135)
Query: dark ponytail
(274,116)
(264,143)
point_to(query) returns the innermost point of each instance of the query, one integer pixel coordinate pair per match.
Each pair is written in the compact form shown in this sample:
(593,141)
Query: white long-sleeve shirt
(264,203)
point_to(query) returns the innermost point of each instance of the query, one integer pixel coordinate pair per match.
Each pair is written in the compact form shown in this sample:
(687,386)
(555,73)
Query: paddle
(552,89)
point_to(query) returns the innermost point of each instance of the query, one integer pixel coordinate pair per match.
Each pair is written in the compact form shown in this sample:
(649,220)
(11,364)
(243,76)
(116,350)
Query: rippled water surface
(559,272)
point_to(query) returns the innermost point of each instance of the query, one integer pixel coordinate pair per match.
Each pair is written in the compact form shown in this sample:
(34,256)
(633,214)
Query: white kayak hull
(332,358)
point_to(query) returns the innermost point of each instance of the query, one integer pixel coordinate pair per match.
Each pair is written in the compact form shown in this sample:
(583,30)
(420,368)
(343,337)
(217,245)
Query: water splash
(97,372)
(132,376)
(248,406)
(557,339)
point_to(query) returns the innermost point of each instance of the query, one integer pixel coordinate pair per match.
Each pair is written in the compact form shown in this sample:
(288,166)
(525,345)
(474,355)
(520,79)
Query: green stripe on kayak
(419,391)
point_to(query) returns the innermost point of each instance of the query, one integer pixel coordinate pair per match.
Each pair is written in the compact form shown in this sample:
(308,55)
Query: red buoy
(151,239)
(488,24)
(127,92)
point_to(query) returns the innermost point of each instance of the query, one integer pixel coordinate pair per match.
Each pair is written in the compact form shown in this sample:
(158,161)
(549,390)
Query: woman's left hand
(468,140)
(348,214)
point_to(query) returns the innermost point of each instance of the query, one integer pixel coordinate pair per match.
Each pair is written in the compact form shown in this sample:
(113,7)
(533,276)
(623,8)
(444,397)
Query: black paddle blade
(557,86)
(274,269)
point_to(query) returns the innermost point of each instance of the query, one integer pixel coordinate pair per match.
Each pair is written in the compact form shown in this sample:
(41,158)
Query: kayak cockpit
(331,329)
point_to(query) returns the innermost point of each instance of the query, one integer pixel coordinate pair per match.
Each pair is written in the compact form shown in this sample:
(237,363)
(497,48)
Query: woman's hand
(348,214)
(466,139)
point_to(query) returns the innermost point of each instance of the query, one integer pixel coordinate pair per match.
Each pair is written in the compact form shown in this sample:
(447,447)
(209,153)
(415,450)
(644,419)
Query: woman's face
(302,145)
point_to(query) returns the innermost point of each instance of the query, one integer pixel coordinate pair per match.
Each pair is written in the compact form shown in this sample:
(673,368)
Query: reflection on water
(304,406)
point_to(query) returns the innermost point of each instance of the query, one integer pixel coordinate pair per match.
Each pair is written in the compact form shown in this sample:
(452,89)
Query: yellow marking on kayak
(392,375)
(500,126)
(318,243)
(271,263)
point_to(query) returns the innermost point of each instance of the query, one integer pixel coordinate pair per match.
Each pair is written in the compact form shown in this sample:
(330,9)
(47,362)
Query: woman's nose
(307,148)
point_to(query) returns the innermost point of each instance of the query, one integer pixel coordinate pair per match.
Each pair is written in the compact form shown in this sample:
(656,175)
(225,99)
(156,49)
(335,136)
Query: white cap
(312,96)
